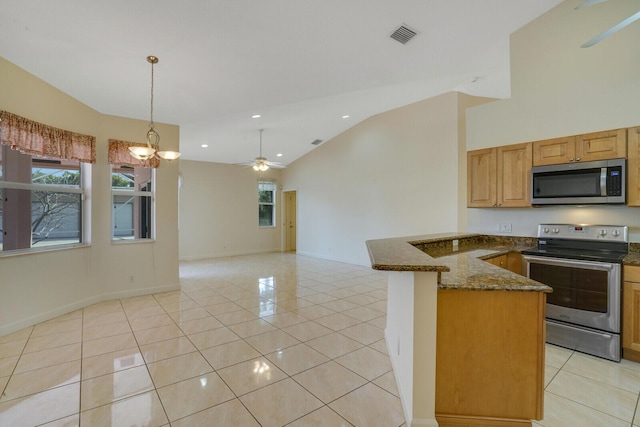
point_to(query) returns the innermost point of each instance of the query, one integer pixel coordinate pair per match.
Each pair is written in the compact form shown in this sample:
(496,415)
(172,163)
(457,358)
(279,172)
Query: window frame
(82,189)
(274,191)
(133,193)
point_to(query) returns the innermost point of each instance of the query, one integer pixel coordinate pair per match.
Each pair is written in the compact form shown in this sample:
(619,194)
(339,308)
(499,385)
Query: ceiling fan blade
(276,165)
(612,30)
(587,3)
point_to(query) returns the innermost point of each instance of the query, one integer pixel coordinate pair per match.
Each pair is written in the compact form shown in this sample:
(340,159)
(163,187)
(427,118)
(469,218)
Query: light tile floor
(261,340)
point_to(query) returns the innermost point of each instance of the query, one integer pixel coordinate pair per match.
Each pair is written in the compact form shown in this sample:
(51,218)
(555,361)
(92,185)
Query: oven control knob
(602,232)
(555,230)
(615,233)
(546,230)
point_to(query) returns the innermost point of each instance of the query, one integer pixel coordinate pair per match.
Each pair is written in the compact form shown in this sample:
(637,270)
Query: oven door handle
(562,262)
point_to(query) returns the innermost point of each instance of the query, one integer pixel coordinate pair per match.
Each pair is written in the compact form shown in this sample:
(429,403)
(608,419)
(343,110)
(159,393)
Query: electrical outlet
(504,228)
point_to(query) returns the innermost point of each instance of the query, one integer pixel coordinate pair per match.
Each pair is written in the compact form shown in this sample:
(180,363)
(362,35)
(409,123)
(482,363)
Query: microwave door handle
(603,182)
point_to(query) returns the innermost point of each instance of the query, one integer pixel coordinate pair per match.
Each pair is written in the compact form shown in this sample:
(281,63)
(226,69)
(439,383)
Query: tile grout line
(4,389)
(146,365)
(199,351)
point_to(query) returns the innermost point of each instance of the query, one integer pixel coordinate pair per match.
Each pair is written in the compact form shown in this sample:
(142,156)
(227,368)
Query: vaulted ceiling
(300,64)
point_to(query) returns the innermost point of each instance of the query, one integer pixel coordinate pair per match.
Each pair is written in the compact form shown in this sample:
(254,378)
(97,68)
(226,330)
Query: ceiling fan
(611,30)
(261,164)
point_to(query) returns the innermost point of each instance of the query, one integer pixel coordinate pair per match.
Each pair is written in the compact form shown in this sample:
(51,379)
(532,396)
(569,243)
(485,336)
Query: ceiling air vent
(316,142)
(403,34)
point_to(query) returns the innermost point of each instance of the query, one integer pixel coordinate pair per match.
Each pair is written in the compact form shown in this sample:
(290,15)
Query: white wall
(219,211)
(560,89)
(38,286)
(394,174)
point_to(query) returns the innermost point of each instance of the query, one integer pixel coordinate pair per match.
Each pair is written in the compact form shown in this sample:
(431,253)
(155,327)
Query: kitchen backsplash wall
(524,222)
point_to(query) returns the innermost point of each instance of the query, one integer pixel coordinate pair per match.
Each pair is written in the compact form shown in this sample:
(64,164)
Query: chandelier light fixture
(153,139)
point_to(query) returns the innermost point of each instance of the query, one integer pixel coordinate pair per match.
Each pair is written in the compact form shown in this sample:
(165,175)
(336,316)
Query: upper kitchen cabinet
(499,177)
(611,144)
(481,178)
(514,175)
(554,151)
(633,167)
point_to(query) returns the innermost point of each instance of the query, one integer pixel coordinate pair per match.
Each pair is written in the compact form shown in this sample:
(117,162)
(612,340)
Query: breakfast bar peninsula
(466,335)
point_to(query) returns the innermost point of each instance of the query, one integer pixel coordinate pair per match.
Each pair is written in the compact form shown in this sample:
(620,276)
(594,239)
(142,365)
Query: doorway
(290,221)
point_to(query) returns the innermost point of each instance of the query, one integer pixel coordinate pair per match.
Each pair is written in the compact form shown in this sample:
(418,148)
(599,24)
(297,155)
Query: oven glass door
(585,293)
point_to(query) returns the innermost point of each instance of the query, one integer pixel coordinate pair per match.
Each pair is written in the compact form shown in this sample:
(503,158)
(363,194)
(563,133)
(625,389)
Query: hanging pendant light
(153,138)
(260,163)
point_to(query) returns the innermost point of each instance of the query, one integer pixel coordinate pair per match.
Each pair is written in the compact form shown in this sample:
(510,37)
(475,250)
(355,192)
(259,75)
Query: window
(41,203)
(132,202)
(266,204)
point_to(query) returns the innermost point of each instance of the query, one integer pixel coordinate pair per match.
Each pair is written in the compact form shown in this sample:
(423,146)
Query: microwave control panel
(614,181)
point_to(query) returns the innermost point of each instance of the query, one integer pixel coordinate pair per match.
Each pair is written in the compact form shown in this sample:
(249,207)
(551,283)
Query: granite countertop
(458,267)
(632,258)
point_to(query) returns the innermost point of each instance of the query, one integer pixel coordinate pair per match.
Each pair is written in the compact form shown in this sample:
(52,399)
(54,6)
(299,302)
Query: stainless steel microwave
(579,183)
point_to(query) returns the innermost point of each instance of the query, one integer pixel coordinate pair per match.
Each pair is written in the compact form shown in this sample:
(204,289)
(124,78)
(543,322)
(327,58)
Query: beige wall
(219,211)
(38,286)
(561,89)
(394,174)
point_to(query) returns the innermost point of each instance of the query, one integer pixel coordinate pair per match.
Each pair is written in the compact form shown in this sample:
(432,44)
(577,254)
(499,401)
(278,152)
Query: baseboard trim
(329,258)
(632,355)
(228,254)
(77,305)
(405,410)
(469,421)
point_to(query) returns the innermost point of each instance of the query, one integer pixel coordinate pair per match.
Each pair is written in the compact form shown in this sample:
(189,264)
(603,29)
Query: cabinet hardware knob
(578,159)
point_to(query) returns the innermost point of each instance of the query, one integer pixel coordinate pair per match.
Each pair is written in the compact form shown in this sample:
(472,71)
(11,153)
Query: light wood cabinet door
(514,175)
(481,178)
(611,144)
(633,167)
(631,310)
(500,261)
(554,151)
(514,262)
(511,261)
(490,358)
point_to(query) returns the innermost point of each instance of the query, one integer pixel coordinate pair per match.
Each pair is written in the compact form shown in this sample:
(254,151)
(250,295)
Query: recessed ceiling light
(346,116)
(279,155)
(256,116)
(204,145)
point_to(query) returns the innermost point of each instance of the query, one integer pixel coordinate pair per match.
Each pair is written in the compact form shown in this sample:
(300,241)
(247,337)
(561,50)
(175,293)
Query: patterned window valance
(35,138)
(119,154)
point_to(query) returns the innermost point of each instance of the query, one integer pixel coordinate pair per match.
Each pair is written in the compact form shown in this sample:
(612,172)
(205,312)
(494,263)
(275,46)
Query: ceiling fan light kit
(153,138)
(261,164)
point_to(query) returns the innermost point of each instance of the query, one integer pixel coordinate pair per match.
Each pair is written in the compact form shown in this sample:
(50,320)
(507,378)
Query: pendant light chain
(153,139)
(153,61)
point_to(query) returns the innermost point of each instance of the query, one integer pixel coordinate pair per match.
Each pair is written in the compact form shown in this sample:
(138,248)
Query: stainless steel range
(583,265)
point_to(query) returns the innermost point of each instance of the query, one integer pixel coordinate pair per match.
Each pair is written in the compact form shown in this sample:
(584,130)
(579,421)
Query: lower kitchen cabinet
(514,262)
(490,358)
(511,261)
(631,313)
(500,261)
